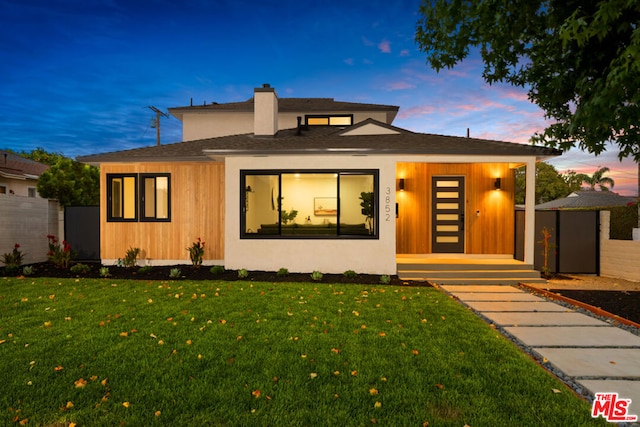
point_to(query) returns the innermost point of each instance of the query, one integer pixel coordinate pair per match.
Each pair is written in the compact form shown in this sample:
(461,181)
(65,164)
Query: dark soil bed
(622,303)
(188,272)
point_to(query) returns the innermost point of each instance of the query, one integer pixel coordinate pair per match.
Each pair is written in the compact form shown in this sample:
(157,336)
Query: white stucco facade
(375,256)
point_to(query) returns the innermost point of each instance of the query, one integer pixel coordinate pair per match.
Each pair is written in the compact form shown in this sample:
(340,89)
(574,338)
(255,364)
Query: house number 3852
(387,204)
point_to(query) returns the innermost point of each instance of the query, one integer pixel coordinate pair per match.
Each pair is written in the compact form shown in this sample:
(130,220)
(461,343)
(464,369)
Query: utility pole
(157,121)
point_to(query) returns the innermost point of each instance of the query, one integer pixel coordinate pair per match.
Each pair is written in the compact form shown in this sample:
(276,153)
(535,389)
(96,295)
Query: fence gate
(575,240)
(82,231)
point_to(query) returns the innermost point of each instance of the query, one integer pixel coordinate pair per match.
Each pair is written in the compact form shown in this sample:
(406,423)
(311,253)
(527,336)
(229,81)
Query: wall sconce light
(401,184)
(498,183)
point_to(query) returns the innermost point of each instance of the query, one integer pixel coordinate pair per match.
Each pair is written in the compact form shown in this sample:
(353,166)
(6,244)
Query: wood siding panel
(197,210)
(490,232)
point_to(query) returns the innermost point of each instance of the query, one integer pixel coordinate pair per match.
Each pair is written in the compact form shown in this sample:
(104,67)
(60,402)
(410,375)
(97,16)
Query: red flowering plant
(12,260)
(196,252)
(59,254)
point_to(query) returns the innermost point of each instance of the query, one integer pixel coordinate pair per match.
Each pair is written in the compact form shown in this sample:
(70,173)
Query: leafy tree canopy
(70,182)
(579,59)
(598,179)
(550,185)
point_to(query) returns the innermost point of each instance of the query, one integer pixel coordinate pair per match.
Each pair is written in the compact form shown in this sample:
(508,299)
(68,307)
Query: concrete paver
(589,351)
(537,319)
(577,336)
(493,296)
(534,306)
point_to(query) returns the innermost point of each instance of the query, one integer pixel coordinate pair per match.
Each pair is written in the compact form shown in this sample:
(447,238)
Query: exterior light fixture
(401,184)
(498,183)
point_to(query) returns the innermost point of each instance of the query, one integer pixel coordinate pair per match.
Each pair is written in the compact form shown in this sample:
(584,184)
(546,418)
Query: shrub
(196,252)
(12,260)
(174,273)
(104,272)
(350,274)
(146,269)
(217,269)
(243,273)
(385,279)
(623,220)
(131,257)
(80,269)
(59,255)
(316,276)
(27,270)
(283,272)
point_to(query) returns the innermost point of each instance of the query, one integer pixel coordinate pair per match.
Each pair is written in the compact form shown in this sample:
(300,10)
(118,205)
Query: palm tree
(599,179)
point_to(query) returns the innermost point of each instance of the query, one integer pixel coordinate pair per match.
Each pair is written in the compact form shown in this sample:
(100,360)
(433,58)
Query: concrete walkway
(589,352)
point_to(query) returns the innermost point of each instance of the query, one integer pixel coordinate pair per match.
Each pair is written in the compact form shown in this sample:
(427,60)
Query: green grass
(241,353)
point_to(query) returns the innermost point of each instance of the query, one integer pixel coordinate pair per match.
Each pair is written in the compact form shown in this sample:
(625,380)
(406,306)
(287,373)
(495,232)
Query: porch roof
(325,140)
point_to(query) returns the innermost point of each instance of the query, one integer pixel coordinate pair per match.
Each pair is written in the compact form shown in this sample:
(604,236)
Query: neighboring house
(364,190)
(588,199)
(19,176)
(27,218)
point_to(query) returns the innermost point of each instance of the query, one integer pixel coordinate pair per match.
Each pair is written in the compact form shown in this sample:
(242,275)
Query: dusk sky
(76,77)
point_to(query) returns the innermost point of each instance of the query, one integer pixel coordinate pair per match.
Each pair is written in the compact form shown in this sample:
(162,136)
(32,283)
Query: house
(312,184)
(18,175)
(588,199)
(27,218)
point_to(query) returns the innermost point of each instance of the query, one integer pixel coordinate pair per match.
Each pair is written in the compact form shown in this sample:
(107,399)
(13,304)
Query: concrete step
(458,266)
(512,281)
(480,274)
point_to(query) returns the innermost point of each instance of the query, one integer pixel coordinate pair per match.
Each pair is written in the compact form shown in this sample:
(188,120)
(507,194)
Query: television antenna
(155,123)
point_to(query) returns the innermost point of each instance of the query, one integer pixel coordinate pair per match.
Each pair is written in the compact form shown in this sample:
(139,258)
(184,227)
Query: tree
(599,179)
(70,182)
(550,185)
(579,59)
(574,180)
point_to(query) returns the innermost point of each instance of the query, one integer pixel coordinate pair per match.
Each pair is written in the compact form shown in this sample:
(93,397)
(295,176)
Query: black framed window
(133,197)
(155,197)
(309,204)
(122,195)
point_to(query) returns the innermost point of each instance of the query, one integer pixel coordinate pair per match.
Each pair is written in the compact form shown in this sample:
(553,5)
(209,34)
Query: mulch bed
(622,303)
(188,272)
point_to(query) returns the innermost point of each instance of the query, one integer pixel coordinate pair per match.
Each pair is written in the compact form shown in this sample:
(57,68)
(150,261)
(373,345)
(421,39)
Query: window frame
(375,173)
(110,179)
(328,117)
(138,197)
(142,197)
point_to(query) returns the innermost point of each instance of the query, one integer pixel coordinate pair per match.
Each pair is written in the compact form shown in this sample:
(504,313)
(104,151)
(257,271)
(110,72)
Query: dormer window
(329,120)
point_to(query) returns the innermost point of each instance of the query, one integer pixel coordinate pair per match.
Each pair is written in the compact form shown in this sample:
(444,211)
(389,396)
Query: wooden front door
(447,207)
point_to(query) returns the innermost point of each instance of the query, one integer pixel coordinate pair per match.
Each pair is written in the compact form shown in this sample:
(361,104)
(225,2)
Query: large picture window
(309,204)
(146,197)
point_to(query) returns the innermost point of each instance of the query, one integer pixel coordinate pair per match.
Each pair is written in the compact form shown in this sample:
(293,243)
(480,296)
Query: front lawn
(101,352)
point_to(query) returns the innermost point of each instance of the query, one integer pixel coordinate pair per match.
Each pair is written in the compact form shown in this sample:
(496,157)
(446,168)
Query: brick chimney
(265,111)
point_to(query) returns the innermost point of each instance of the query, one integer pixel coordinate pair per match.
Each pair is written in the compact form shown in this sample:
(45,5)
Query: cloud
(417,111)
(404,52)
(348,61)
(400,86)
(384,46)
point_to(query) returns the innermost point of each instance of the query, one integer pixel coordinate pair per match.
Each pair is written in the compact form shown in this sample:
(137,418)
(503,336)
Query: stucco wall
(202,125)
(307,255)
(618,258)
